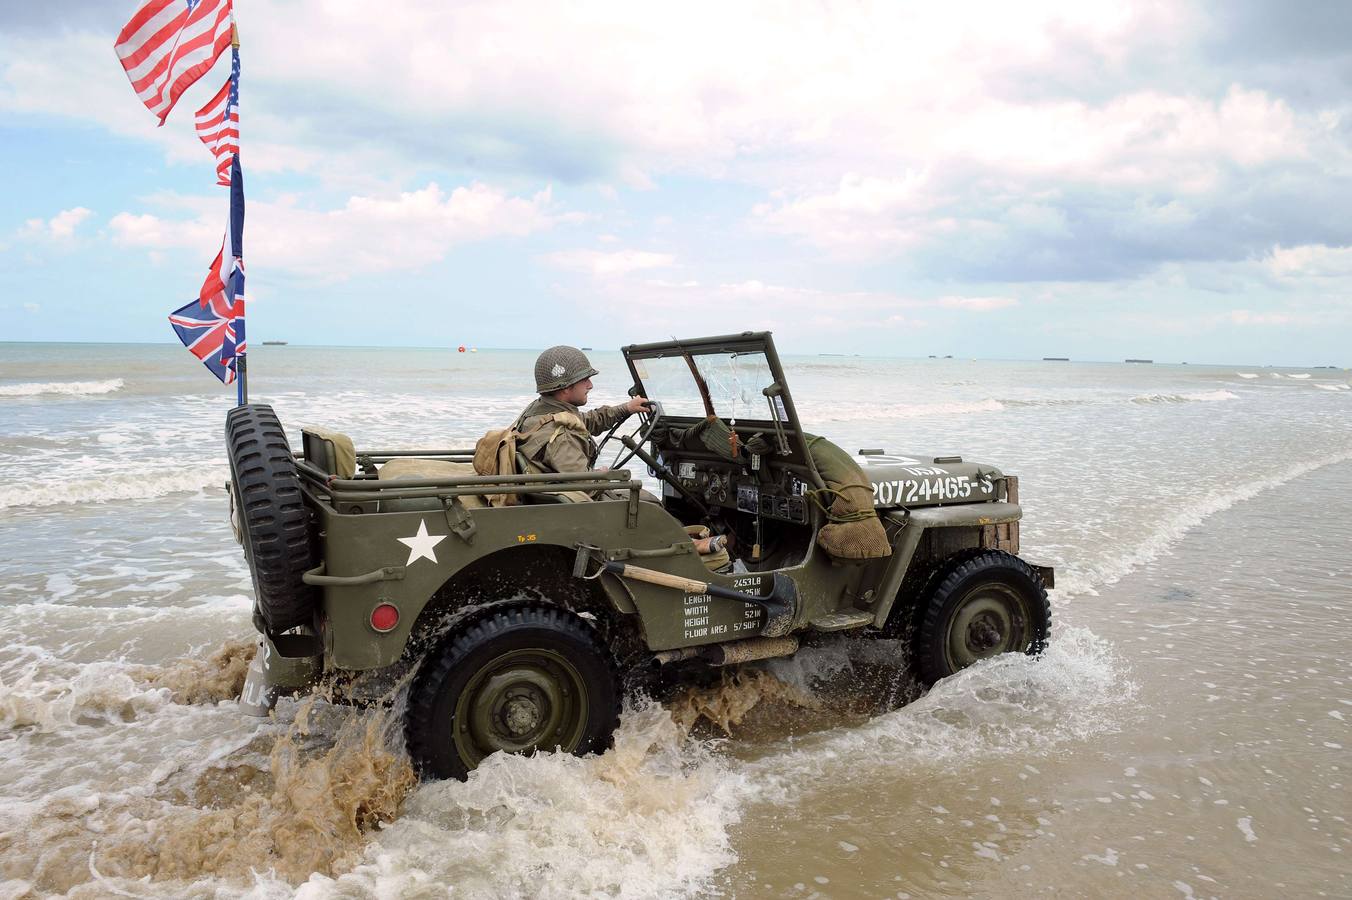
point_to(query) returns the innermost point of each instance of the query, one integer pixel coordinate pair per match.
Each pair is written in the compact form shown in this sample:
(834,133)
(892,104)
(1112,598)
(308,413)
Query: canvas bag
(495,452)
(854,530)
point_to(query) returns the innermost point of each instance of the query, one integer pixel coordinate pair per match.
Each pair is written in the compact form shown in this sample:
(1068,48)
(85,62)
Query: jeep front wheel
(988,604)
(519,680)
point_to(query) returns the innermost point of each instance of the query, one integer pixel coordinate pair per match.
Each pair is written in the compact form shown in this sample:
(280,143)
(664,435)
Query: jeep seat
(412,467)
(330,451)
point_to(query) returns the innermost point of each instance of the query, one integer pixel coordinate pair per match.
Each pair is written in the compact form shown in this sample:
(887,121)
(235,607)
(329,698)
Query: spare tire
(275,527)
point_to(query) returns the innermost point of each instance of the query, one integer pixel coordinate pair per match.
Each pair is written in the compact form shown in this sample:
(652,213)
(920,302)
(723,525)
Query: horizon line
(829,354)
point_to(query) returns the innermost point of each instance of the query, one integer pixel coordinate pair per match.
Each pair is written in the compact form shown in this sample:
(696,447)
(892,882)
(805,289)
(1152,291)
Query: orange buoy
(460,349)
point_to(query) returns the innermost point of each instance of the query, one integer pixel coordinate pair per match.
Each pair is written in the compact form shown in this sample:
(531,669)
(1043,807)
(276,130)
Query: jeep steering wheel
(639,434)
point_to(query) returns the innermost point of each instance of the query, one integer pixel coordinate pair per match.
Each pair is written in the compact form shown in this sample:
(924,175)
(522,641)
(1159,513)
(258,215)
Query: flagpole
(241,362)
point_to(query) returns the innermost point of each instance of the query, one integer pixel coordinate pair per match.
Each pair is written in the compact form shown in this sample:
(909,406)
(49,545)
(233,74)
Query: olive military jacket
(556,447)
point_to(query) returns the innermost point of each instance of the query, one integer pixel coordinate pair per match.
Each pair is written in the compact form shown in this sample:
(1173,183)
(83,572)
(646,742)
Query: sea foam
(33,389)
(1190,397)
(122,486)
(1113,567)
(649,818)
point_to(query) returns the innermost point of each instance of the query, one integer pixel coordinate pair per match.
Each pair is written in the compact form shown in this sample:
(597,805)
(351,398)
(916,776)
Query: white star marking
(421,544)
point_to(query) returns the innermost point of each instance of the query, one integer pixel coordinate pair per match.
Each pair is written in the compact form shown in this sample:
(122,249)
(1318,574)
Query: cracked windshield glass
(735,382)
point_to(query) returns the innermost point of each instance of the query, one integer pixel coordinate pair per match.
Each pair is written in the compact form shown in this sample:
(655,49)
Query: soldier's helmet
(561,366)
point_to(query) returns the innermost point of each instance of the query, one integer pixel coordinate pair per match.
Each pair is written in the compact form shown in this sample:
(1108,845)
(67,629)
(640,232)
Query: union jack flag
(218,122)
(207,331)
(169,44)
(233,347)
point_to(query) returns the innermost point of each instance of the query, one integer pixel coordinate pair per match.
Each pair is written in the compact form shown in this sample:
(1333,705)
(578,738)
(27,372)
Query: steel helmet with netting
(561,366)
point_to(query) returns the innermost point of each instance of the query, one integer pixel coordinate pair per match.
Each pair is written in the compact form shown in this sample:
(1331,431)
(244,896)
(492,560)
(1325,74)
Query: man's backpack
(496,452)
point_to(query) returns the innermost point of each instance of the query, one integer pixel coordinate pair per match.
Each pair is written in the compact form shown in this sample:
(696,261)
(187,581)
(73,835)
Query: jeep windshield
(735,381)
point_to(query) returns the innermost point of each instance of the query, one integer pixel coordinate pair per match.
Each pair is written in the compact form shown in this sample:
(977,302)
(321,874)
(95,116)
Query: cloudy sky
(1170,179)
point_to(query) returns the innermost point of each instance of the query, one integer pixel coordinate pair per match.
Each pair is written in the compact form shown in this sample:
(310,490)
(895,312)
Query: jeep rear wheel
(273,523)
(519,680)
(988,604)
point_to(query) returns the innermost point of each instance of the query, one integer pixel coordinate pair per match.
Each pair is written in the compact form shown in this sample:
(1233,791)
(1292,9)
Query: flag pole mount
(241,362)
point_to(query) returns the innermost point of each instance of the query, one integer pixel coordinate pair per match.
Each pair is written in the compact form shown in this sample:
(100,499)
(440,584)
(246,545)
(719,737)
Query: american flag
(207,331)
(169,44)
(218,122)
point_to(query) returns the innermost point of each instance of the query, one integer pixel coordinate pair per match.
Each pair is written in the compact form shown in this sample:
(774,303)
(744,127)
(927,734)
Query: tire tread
(482,628)
(278,536)
(958,570)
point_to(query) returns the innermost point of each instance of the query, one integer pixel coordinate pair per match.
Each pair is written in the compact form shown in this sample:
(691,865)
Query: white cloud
(156,233)
(979,135)
(992,166)
(1140,138)
(978,304)
(795,314)
(1246,317)
(901,321)
(606,86)
(1315,260)
(800,314)
(60,227)
(77,76)
(861,215)
(620,262)
(367,234)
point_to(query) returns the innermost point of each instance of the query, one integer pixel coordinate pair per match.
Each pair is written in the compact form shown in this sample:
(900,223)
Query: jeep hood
(920,480)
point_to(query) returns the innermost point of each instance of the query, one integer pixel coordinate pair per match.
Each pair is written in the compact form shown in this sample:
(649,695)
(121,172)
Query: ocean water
(1184,735)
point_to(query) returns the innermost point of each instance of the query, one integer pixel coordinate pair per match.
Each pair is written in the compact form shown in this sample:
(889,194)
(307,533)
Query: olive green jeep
(522,606)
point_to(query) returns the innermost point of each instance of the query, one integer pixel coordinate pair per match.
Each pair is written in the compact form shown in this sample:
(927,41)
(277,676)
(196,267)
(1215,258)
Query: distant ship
(1140,360)
(274,343)
(1056,359)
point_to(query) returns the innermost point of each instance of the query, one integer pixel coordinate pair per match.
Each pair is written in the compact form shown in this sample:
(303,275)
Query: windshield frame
(746,342)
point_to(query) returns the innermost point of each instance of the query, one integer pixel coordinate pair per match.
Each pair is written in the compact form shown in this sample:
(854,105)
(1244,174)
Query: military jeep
(522,606)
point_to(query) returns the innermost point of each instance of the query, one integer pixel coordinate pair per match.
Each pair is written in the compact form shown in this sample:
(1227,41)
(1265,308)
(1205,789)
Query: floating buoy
(460,349)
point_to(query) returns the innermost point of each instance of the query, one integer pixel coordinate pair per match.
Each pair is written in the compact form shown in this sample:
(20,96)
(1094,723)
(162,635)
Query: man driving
(554,432)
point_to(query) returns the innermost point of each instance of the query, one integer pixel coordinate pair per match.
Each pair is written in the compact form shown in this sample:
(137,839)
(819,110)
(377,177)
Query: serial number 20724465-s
(946,487)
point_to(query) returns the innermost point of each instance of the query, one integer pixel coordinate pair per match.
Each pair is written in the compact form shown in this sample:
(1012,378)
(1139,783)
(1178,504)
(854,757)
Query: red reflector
(384,617)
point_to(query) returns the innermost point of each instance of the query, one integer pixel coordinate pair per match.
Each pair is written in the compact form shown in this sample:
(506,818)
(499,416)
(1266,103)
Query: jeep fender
(542,572)
(913,524)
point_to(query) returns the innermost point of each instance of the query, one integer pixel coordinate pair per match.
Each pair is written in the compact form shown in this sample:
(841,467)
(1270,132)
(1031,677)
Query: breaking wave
(855,411)
(1009,705)
(1192,397)
(110,692)
(1113,568)
(122,486)
(101,692)
(33,389)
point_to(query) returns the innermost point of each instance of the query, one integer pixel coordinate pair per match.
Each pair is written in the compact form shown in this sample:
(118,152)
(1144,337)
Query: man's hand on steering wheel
(648,416)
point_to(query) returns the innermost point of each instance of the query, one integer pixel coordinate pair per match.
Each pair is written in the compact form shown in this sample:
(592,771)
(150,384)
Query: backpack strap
(569,422)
